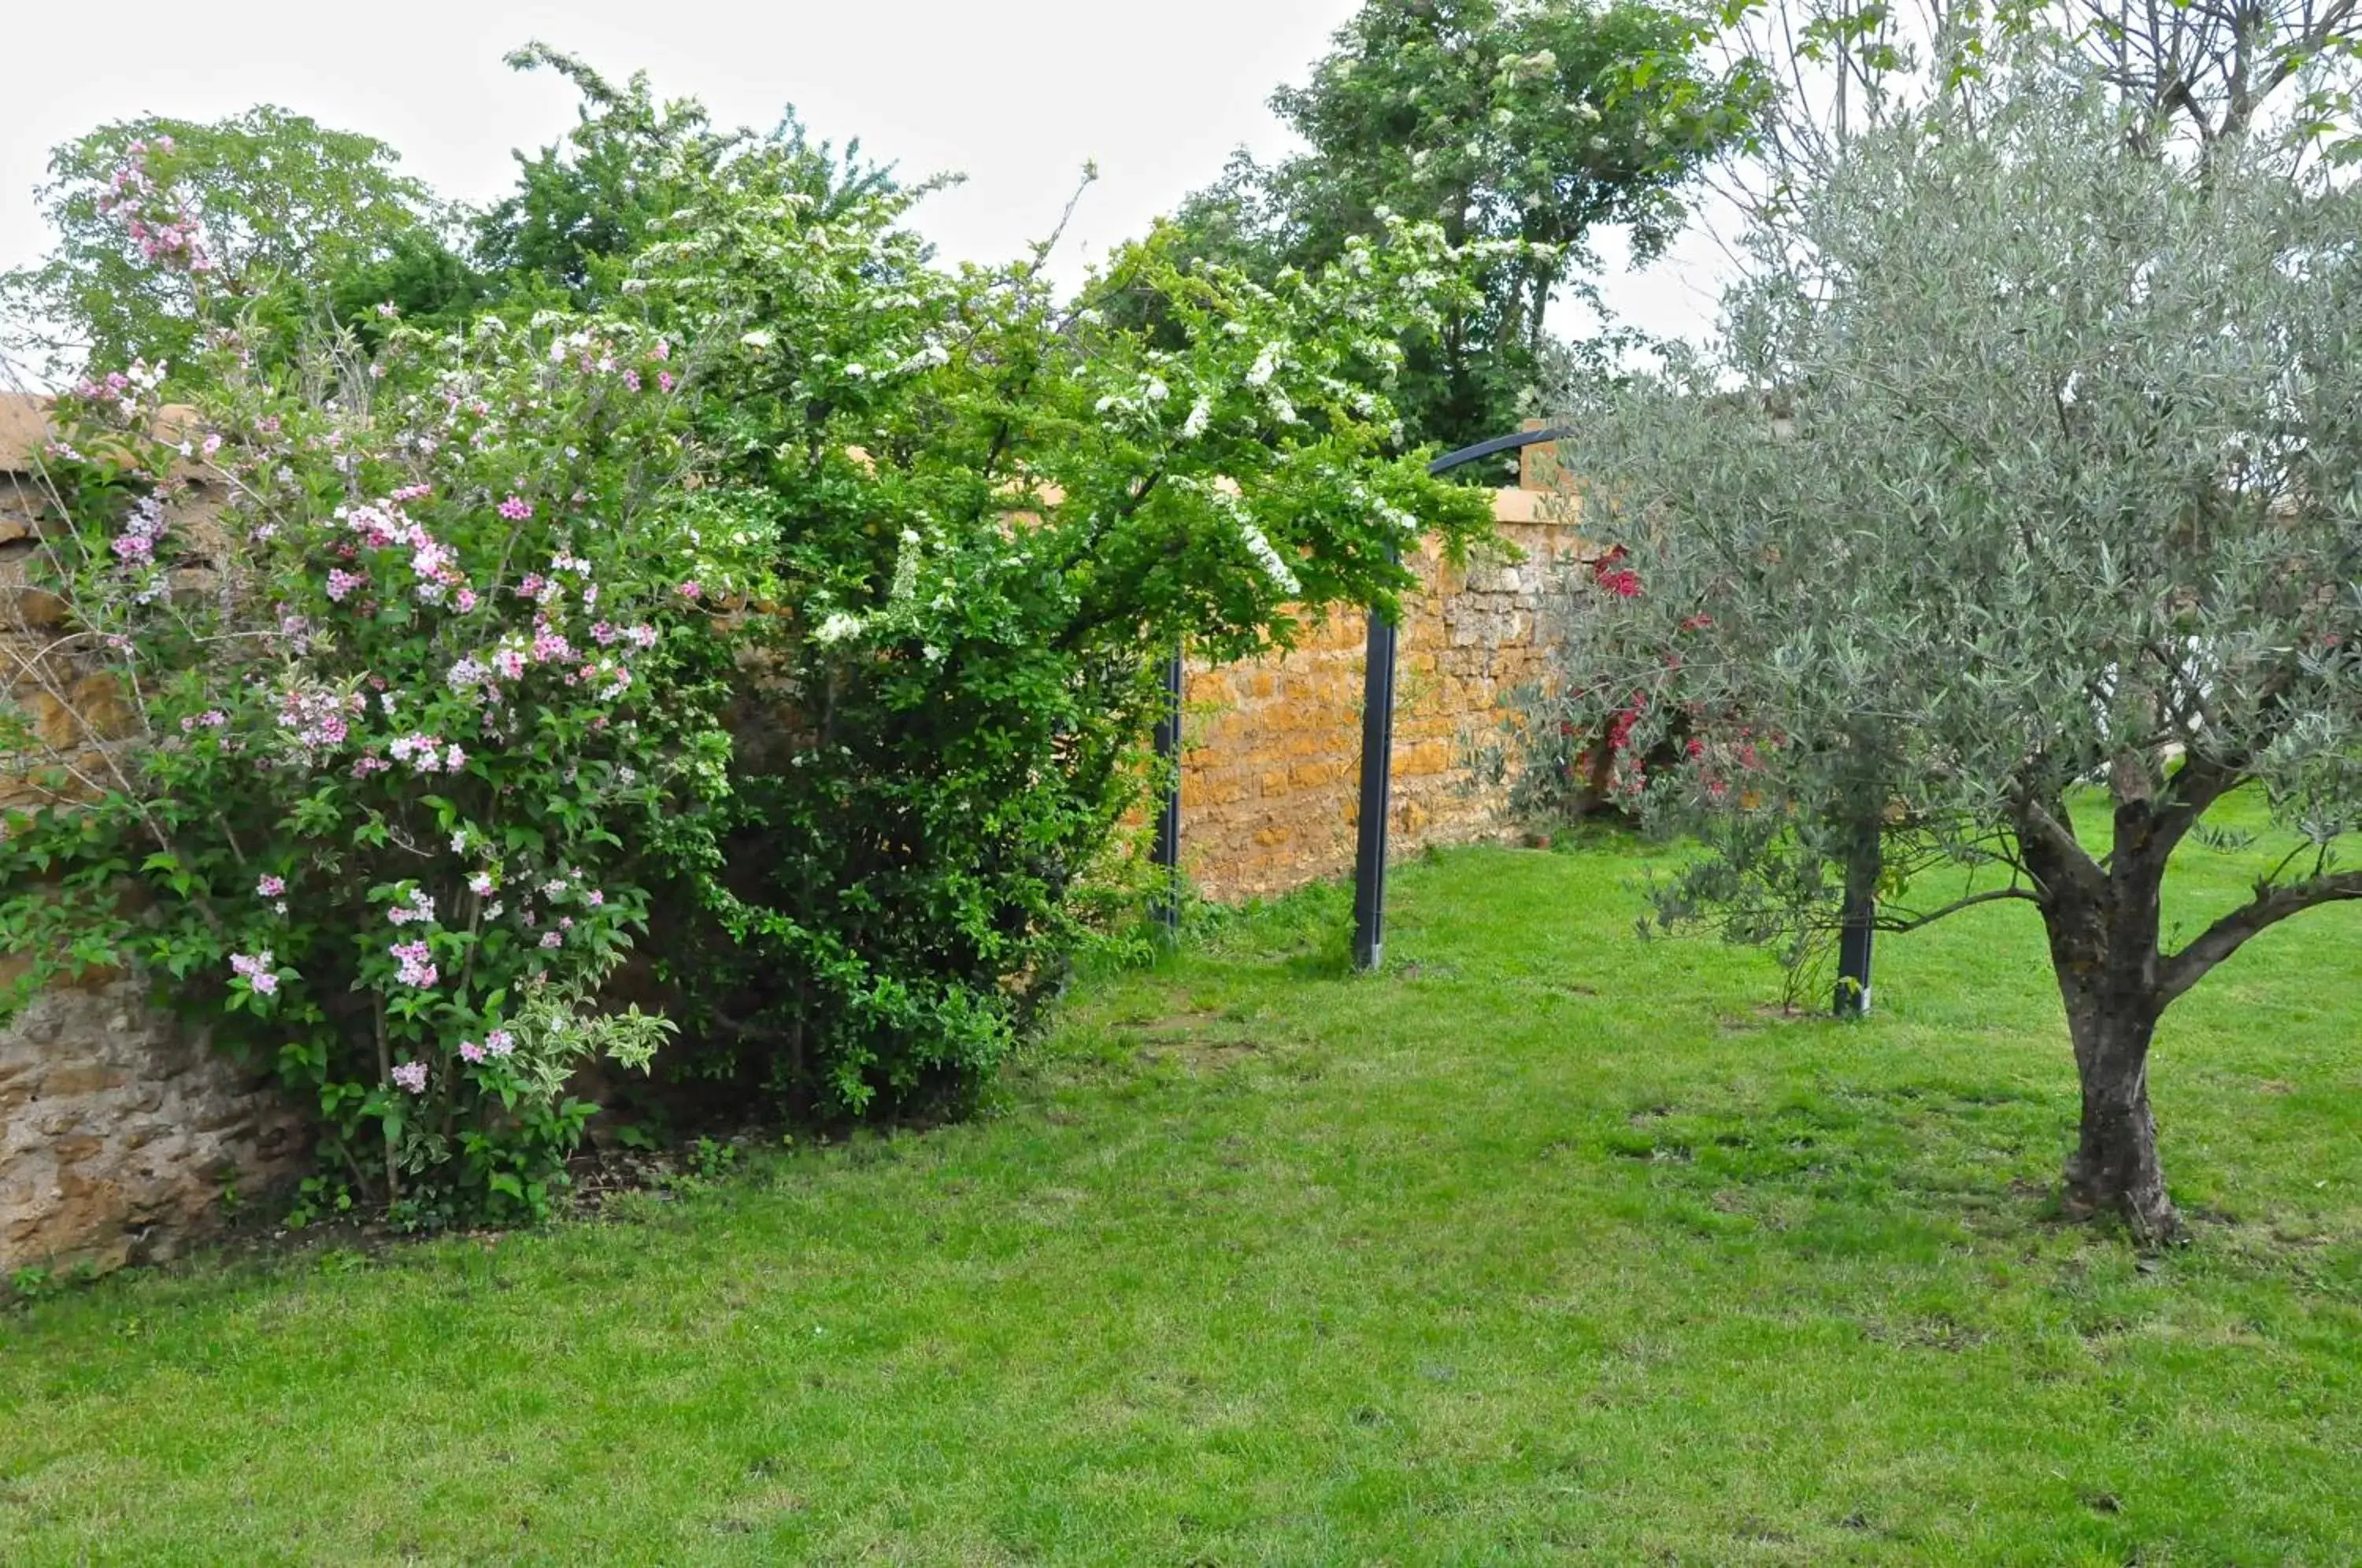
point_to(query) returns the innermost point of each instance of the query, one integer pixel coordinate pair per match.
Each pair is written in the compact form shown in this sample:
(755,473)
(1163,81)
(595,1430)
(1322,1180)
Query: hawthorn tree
(984,504)
(585,205)
(2011,524)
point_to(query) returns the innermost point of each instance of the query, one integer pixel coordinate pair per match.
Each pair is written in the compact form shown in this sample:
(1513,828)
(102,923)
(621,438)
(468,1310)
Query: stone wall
(119,1132)
(122,1133)
(1271,766)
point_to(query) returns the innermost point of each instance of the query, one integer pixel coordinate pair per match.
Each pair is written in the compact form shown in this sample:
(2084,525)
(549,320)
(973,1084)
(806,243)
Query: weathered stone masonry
(1271,768)
(120,1132)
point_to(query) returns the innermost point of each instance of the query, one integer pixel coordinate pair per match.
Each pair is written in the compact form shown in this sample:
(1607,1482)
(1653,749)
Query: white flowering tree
(2011,526)
(991,510)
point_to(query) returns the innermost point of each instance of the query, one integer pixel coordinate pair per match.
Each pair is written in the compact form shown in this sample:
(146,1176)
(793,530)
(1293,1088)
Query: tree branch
(2271,906)
(1992,895)
(2046,845)
(2193,788)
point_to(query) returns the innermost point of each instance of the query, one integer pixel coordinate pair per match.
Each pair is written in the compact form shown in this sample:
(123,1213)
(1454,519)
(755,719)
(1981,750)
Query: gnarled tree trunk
(2103,926)
(2115,1166)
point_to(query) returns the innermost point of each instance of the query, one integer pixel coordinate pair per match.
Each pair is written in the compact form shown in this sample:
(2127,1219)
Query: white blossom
(1274,566)
(836,628)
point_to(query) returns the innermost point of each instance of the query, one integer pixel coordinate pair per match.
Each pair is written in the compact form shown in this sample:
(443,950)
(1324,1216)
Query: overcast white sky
(1014,93)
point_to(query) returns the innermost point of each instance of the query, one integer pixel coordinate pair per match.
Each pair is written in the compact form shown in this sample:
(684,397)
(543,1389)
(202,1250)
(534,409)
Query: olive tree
(2011,524)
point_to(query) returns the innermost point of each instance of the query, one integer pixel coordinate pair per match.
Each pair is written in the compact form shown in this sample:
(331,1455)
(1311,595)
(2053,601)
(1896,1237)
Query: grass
(1547,1245)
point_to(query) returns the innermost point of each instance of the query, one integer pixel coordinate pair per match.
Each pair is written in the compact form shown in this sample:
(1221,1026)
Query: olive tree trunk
(2115,1166)
(2104,929)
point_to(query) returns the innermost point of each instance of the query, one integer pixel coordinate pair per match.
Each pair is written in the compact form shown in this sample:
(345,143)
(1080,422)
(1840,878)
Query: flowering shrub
(366,758)
(987,508)
(800,603)
(1579,752)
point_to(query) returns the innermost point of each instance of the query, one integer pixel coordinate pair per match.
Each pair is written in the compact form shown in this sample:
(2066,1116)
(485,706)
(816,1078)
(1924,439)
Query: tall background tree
(585,205)
(1535,123)
(293,216)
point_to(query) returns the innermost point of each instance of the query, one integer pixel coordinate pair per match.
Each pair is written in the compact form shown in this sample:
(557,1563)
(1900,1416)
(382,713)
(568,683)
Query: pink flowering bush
(380,712)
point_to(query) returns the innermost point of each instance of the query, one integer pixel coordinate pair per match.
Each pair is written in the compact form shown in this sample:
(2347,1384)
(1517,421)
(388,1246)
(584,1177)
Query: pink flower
(454,758)
(500,1043)
(271,887)
(423,753)
(315,717)
(632,380)
(465,601)
(594,898)
(689,589)
(603,633)
(470,1051)
(255,968)
(481,884)
(551,939)
(341,582)
(410,1076)
(416,968)
(516,509)
(664,380)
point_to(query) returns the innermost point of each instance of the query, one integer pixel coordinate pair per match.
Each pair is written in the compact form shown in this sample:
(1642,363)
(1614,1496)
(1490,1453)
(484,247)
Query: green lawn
(1547,1245)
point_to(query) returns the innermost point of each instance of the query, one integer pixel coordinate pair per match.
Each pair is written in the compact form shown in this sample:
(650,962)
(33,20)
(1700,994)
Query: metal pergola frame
(1378,738)
(1378,785)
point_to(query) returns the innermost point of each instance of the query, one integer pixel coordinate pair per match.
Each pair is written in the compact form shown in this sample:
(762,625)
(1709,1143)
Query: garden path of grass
(1547,1245)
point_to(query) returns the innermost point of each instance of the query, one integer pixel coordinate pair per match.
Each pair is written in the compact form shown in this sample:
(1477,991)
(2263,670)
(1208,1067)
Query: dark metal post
(1857,931)
(1378,739)
(1377,777)
(1166,907)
